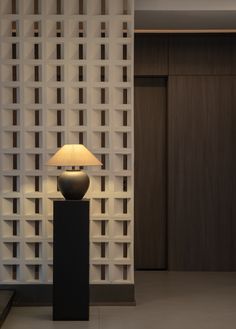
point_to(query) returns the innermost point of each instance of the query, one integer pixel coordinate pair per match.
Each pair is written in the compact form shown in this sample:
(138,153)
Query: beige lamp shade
(73,155)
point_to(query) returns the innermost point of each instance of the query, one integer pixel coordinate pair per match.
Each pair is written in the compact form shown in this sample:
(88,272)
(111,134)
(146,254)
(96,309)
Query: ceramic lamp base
(73,184)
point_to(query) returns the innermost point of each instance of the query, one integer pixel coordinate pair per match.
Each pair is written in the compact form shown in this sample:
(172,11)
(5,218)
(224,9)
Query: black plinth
(71,260)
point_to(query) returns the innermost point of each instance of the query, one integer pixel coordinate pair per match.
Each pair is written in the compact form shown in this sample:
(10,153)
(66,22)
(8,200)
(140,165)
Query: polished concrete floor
(165,300)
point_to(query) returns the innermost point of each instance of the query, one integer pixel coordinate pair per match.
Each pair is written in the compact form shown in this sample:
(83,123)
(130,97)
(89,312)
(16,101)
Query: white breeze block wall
(66,76)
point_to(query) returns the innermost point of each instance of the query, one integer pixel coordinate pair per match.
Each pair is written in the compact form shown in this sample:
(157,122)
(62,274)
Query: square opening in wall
(32,51)
(32,184)
(100,118)
(55,139)
(33,139)
(33,118)
(99,250)
(10,228)
(78,73)
(99,273)
(10,250)
(55,95)
(11,139)
(122,7)
(100,206)
(122,96)
(55,117)
(122,162)
(78,7)
(78,137)
(78,28)
(33,73)
(122,140)
(10,272)
(78,51)
(55,51)
(10,95)
(10,73)
(122,118)
(100,228)
(100,140)
(55,73)
(11,161)
(123,51)
(33,250)
(55,28)
(32,29)
(32,7)
(10,7)
(121,228)
(78,95)
(10,50)
(33,228)
(121,251)
(100,28)
(33,206)
(33,272)
(101,51)
(55,7)
(123,73)
(100,7)
(10,183)
(33,161)
(123,29)
(78,118)
(33,95)
(99,183)
(10,206)
(122,183)
(100,95)
(122,206)
(122,273)
(11,117)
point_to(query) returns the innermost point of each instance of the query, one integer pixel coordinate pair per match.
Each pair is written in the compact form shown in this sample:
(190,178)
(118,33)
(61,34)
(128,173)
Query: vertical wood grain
(150,173)
(151,54)
(202,54)
(202,173)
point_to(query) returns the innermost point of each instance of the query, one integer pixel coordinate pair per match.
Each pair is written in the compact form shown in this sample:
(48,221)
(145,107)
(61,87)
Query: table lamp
(73,183)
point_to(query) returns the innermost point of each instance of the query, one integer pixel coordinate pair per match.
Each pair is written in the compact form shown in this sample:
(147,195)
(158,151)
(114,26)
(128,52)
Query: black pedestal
(71,260)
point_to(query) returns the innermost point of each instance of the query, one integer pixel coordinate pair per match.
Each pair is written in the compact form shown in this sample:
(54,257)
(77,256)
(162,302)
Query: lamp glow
(73,184)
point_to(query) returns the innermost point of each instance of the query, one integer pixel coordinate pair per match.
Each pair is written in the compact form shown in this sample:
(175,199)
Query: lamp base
(73,184)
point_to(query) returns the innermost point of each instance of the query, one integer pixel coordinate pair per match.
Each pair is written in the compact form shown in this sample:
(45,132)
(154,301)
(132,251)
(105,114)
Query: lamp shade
(73,155)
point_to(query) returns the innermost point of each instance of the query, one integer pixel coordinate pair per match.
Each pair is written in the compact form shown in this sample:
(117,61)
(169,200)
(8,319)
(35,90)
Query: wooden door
(150,172)
(202,173)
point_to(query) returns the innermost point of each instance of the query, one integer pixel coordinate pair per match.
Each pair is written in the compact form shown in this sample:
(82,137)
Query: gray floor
(165,300)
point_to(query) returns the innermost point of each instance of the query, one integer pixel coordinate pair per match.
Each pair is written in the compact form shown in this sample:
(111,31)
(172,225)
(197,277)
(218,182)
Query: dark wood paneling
(202,173)
(151,54)
(150,173)
(202,54)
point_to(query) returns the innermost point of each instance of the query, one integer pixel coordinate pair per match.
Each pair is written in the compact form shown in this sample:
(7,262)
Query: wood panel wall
(150,172)
(151,55)
(201,133)
(204,54)
(202,173)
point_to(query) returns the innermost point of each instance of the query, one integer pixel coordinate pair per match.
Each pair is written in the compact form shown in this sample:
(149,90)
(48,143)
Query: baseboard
(41,294)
